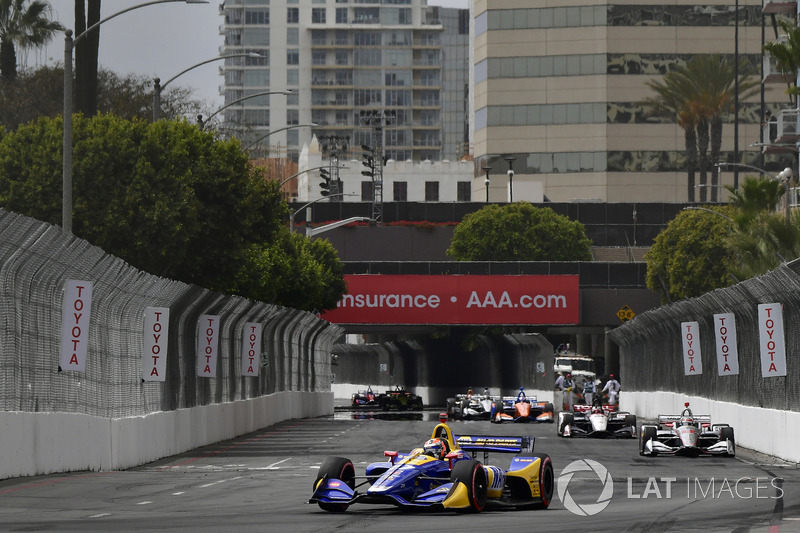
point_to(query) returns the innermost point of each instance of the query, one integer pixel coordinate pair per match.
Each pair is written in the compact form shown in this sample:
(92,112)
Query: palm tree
(23,27)
(786,55)
(674,97)
(714,78)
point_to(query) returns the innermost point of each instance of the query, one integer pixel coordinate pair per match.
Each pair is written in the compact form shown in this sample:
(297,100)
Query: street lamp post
(158,88)
(510,177)
(311,125)
(69,45)
(486,182)
(202,122)
(341,223)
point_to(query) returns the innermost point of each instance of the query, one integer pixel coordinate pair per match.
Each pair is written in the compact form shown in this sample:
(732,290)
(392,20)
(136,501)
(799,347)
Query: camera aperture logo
(586,509)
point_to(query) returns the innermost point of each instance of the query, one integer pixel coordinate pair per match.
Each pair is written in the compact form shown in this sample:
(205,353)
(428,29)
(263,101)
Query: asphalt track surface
(262,482)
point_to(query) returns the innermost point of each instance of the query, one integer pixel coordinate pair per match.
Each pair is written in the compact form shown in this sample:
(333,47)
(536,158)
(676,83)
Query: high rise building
(352,66)
(560,87)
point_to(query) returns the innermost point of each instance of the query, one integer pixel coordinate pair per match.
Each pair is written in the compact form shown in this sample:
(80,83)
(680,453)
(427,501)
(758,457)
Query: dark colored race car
(687,434)
(364,398)
(444,474)
(399,399)
(596,421)
(521,408)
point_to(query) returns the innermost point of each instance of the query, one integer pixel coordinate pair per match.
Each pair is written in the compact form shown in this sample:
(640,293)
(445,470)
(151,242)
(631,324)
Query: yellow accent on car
(530,474)
(458,499)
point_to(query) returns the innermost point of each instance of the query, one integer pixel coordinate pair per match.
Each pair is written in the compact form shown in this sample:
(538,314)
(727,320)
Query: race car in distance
(471,406)
(399,399)
(364,398)
(686,434)
(521,408)
(596,421)
(442,475)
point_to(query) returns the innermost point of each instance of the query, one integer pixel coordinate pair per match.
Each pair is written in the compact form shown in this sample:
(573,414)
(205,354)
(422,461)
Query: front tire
(564,419)
(726,433)
(471,473)
(647,433)
(336,468)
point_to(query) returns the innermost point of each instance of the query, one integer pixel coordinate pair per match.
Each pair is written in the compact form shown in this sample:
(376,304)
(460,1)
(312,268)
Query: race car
(364,398)
(471,406)
(686,434)
(521,408)
(444,474)
(399,399)
(596,421)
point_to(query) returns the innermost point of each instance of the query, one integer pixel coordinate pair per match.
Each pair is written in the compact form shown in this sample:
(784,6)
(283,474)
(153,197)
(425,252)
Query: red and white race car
(596,421)
(686,434)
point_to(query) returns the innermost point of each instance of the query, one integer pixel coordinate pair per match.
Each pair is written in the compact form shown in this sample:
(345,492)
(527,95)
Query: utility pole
(333,146)
(377,120)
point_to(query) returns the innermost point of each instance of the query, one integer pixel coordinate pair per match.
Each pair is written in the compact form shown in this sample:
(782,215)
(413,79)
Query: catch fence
(37,259)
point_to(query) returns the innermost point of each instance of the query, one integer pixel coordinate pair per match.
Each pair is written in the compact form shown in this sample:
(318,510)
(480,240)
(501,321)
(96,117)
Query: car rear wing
(513,399)
(481,443)
(669,420)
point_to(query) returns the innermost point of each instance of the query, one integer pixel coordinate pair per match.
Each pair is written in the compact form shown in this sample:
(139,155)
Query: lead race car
(444,474)
(521,408)
(596,421)
(687,434)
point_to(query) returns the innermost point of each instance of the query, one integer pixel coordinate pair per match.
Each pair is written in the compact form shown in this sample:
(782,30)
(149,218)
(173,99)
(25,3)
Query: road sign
(625,313)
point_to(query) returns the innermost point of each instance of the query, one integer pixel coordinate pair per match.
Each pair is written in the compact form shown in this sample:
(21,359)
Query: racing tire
(564,419)
(549,408)
(630,421)
(547,480)
(646,433)
(336,468)
(726,433)
(451,407)
(471,473)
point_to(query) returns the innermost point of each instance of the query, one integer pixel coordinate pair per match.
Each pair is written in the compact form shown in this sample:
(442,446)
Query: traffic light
(325,184)
(368,161)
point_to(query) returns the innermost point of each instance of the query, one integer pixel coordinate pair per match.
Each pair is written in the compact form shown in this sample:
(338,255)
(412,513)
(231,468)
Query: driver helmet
(596,410)
(687,420)
(435,448)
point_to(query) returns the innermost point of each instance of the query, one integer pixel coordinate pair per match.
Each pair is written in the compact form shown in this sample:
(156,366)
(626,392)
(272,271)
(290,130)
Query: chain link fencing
(36,259)
(651,350)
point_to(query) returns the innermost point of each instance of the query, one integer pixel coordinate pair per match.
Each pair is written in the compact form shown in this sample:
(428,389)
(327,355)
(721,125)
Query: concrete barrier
(45,443)
(756,428)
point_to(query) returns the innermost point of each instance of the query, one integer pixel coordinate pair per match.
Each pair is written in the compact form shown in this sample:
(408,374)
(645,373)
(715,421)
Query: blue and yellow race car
(443,474)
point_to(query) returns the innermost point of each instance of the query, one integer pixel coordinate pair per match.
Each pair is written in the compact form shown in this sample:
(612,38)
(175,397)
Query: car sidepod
(530,479)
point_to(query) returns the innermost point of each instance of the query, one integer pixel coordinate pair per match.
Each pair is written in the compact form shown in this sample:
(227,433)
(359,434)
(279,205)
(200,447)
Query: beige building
(560,86)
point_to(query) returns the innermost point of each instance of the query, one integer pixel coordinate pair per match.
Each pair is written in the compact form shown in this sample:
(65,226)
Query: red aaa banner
(387,299)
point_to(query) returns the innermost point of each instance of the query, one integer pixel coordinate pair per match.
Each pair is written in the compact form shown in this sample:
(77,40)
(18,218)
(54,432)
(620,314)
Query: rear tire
(647,433)
(336,468)
(548,408)
(472,474)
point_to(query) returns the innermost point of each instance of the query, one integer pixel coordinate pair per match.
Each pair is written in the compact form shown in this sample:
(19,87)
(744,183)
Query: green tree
(755,196)
(691,256)
(519,232)
(169,199)
(25,27)
(40,93)
(700,94)
(763,244)
(786,53)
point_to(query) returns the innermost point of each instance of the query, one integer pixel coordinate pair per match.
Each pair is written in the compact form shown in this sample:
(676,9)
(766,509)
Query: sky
(158,41)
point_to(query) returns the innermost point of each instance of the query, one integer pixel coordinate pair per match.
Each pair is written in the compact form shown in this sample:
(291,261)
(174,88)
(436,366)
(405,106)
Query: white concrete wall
(769,431)
(44,443)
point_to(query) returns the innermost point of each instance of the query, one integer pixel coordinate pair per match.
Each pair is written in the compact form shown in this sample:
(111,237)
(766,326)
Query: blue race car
(443,474)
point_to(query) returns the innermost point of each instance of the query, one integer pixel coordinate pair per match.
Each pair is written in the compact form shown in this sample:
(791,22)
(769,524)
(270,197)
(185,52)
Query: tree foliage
(169,199)
(786,52)
(23,26)
(519,232)
(691,256)
(40,93)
